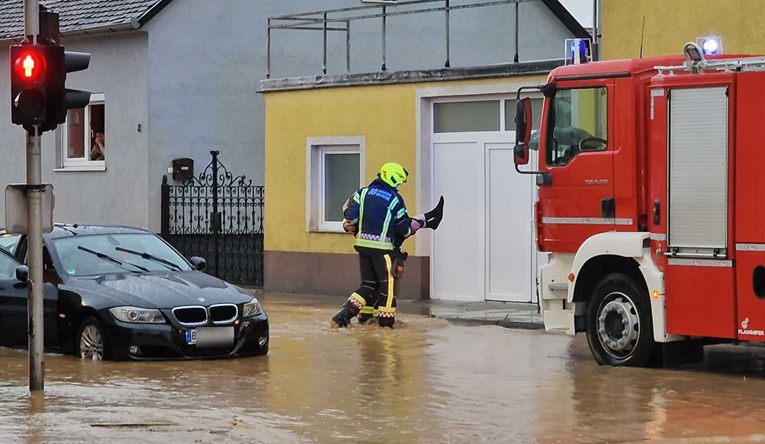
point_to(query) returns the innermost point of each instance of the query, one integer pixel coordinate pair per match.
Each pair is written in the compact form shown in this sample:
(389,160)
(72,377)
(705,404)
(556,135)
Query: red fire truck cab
(651,204)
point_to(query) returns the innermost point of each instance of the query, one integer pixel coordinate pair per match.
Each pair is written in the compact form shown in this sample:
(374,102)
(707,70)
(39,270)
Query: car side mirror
(22,273)
(523,119)
(198,263)
(522,131)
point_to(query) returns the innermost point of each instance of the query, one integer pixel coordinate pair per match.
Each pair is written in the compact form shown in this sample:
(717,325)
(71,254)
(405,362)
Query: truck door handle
(608,208)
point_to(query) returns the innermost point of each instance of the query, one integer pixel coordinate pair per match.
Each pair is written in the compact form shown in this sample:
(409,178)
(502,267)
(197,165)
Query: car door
(13,303)
(578,155)
(18,302)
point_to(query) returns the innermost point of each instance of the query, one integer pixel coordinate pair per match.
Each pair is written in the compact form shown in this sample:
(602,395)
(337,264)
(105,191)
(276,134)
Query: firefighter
(377,217)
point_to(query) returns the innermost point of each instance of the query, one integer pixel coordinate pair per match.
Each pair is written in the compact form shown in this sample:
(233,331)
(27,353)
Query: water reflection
(428,382)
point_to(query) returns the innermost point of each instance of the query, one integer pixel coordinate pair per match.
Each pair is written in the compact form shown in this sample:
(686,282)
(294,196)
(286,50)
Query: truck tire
(619,325)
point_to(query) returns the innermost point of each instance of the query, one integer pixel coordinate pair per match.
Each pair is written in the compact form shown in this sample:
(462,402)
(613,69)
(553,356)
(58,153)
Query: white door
(458,244)
(510,255)
(483,249)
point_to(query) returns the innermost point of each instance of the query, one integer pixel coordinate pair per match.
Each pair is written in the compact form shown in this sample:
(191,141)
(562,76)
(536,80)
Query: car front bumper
(168,342)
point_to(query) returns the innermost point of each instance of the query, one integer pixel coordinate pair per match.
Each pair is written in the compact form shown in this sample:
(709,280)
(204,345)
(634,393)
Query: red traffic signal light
(29,66)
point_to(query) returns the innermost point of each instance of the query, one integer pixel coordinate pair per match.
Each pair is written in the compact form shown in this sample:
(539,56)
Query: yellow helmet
(393,174)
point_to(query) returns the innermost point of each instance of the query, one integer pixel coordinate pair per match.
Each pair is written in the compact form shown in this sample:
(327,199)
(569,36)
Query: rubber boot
(386,321)
(343,318)
(367,313)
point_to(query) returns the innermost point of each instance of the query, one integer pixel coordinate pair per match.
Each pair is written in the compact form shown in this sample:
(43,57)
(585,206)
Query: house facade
(452,128)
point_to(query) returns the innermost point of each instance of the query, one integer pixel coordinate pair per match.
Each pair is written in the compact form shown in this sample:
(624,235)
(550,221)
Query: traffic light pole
(35,284)
(34,223)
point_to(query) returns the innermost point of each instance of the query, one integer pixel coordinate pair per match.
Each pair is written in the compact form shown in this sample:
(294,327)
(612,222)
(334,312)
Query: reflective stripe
(750,247)
(359,299)
(387,310)
(356,198)
(374,244)
(368,309)
(391,283)
(387,218)
(701,263)
(658,237)
(401,213)
(361,208)
(585,221)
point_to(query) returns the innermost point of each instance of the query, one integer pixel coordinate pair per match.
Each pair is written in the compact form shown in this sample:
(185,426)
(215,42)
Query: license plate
(210,336)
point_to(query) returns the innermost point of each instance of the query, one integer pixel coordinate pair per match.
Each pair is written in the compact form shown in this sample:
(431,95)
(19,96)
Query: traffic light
(29,76)
(61,99)
(38,84)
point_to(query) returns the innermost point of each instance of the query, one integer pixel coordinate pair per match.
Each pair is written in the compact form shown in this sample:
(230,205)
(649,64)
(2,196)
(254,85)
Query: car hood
(162,290)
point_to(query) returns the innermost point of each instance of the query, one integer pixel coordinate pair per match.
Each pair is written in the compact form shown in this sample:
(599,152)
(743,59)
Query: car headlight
(251,308)
(135,315)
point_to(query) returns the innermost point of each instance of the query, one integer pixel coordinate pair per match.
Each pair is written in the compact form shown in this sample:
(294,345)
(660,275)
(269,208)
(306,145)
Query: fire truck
(650,204)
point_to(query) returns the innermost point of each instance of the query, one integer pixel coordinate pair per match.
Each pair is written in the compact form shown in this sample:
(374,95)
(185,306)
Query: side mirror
(521,154)
(22,273)
(198,263)
(523,119)
(522,131)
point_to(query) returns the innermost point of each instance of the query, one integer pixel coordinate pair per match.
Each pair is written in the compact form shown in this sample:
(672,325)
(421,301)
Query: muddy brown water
(428,382)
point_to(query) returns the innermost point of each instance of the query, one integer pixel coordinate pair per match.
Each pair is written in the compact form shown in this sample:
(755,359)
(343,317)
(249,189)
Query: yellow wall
(385,114)
(669,24)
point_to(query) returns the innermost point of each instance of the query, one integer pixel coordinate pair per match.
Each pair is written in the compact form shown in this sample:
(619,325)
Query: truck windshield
(579,122)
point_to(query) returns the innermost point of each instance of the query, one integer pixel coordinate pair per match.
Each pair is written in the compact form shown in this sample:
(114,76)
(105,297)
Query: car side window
(579,120)
(7,267)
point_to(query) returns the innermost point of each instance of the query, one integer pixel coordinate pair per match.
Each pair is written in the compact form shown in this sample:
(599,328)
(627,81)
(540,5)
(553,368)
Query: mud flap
(674,354)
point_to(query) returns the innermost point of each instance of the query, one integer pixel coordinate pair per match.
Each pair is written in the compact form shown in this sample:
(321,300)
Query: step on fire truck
(651,204)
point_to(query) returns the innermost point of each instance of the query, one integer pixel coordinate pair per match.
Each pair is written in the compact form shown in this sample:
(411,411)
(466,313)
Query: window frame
(317,148)
(67,164)
(552,122)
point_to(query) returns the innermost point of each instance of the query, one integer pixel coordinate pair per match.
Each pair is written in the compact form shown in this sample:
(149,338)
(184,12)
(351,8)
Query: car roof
(67,230)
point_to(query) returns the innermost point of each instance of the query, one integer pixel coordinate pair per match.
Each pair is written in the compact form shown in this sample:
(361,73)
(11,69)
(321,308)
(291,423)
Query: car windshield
(8,242)
(115,253)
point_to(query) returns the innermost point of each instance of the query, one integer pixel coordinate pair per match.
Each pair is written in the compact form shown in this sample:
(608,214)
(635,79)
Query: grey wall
(206,60)
(117,195)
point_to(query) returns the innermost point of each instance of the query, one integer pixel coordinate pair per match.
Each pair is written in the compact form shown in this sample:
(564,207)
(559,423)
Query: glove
(350,227)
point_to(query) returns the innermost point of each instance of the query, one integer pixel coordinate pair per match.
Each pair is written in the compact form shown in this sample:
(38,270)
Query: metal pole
(216,217)
(384,17)
(324,64)
(34,222)
(595,40)
(32,19)
(35,281)
(516,59)
(348,46)
(268,51)
(448,63)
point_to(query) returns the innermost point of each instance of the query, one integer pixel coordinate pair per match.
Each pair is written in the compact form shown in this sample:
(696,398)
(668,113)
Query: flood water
(428,382)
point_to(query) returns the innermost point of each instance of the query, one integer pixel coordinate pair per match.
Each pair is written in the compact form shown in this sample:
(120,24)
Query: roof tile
(74,15)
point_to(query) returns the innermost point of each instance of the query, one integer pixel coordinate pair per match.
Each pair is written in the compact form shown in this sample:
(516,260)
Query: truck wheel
(619,326)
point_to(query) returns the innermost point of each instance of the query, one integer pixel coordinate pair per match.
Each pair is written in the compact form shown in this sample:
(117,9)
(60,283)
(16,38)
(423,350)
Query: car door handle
(608,208)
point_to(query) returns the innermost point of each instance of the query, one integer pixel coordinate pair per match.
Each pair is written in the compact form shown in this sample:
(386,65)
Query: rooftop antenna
(642,34)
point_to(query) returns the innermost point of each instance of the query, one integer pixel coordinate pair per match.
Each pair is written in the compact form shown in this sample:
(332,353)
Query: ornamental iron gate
(218,217)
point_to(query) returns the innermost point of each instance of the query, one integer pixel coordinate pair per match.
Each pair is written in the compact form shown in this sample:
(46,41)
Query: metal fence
(339,20)
(217,216)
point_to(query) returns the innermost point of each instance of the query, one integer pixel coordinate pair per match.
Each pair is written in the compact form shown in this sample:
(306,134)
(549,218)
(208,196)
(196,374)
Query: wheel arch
(626,253)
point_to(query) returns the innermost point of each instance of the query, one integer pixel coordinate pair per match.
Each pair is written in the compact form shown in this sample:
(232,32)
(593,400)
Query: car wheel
(619,325)
(92,343)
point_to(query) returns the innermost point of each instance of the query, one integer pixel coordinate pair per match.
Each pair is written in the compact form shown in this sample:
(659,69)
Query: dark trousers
(378,289)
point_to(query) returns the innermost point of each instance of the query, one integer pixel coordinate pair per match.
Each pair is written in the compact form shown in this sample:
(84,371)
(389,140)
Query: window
(470,116)
(579,123)
(335,172)
(8,242)
(7,267)
(84,137)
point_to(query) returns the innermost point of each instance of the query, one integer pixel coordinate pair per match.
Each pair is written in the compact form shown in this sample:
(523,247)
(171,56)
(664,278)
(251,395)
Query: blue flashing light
(710,46)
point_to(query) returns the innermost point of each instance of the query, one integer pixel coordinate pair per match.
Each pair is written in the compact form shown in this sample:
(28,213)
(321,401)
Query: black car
(124,293)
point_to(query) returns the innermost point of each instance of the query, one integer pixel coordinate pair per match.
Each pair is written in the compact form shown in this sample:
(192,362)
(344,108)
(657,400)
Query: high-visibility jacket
(380,214)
